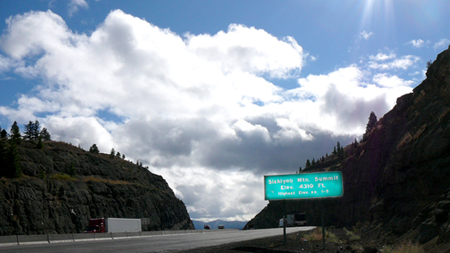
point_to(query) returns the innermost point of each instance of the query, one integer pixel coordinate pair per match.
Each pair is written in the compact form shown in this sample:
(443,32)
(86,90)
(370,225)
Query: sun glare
(376,11)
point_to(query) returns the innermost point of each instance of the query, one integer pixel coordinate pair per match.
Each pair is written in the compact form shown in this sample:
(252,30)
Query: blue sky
(212,95)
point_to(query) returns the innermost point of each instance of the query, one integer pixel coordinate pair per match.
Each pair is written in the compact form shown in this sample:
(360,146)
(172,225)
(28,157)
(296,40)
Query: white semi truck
(113,225)
(293,220)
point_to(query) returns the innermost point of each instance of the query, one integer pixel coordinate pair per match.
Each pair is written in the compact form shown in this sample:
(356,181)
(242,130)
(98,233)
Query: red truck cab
(96,226)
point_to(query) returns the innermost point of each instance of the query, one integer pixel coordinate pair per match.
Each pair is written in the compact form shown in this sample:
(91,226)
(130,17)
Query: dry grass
(104,180)
(62,177)
(316,235)
(406,247)
(352,237)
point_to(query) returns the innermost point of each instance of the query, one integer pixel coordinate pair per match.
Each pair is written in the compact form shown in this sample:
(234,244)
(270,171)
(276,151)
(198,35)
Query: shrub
(316,235)
(405,247)
(352,236)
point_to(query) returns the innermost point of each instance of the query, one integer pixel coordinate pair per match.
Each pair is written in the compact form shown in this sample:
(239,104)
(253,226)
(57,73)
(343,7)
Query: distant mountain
(214,224)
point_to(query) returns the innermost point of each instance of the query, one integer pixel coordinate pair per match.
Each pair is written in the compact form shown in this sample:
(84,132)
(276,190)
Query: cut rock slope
(64,186)
(397,178)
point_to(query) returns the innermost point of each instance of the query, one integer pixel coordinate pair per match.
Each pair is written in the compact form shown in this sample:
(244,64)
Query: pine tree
(2,154)
(370,125)
(15,133)
(355,144)
(3,134)
(93,149)
(36,130)
(118,154)
(12,167)
(40,144)
(338,149)
(308,163)
(32,130)
(45,135)
(112,154)
(27,133)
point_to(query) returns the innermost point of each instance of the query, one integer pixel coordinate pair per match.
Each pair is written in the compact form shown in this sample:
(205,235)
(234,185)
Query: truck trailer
(293,220)
(113,225)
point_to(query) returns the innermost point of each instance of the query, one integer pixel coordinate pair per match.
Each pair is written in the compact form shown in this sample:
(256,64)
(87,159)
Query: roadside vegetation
(316,235)
(405,247)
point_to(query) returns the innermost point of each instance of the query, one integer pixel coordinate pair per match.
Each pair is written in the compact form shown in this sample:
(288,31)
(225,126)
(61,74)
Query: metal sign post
(323,225)
(284,221)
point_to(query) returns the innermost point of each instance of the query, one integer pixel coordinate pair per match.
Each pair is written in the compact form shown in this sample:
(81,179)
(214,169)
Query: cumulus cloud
(202,110)
(417,43)
(382,57)
(248,49)
(403,62)
(199,188)
(385,80)
(443,43)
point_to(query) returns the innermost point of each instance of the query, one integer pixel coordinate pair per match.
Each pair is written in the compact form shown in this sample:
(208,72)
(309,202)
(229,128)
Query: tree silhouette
(3,134)
(371,124)
(11,167)
(15,133)
(308,163)
(93,149)
(112,154)
(45,135)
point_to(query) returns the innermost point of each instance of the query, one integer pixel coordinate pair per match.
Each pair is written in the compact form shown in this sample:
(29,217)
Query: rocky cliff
(63,186)
(398,178)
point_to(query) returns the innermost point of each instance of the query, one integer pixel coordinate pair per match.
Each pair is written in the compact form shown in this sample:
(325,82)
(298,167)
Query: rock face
(398,178)
(64,186)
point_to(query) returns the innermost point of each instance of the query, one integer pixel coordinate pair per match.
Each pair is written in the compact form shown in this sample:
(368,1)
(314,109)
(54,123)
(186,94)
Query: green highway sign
(304,186)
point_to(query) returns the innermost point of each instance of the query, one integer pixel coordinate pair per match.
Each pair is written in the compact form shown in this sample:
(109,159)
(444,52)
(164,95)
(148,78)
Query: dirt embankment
(364,239)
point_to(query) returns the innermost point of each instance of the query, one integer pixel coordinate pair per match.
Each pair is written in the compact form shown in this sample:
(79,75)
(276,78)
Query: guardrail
(56,238)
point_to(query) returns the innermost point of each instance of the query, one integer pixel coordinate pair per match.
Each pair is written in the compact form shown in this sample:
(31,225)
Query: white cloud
(248,49)
(201,109)
(5,63)
(417,43)
(443,43)
(384,80)
(241,193)
(365,35)
(382,57)
(403,62)
(75,5)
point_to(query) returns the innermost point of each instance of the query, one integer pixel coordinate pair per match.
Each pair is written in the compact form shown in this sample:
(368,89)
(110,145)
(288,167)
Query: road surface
(158,243)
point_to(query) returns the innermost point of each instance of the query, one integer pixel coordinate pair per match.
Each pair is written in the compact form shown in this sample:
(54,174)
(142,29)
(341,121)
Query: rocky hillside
(63,186)
(398,178)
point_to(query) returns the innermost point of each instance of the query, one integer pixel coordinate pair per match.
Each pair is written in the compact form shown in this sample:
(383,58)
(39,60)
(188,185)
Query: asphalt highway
(158,243)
